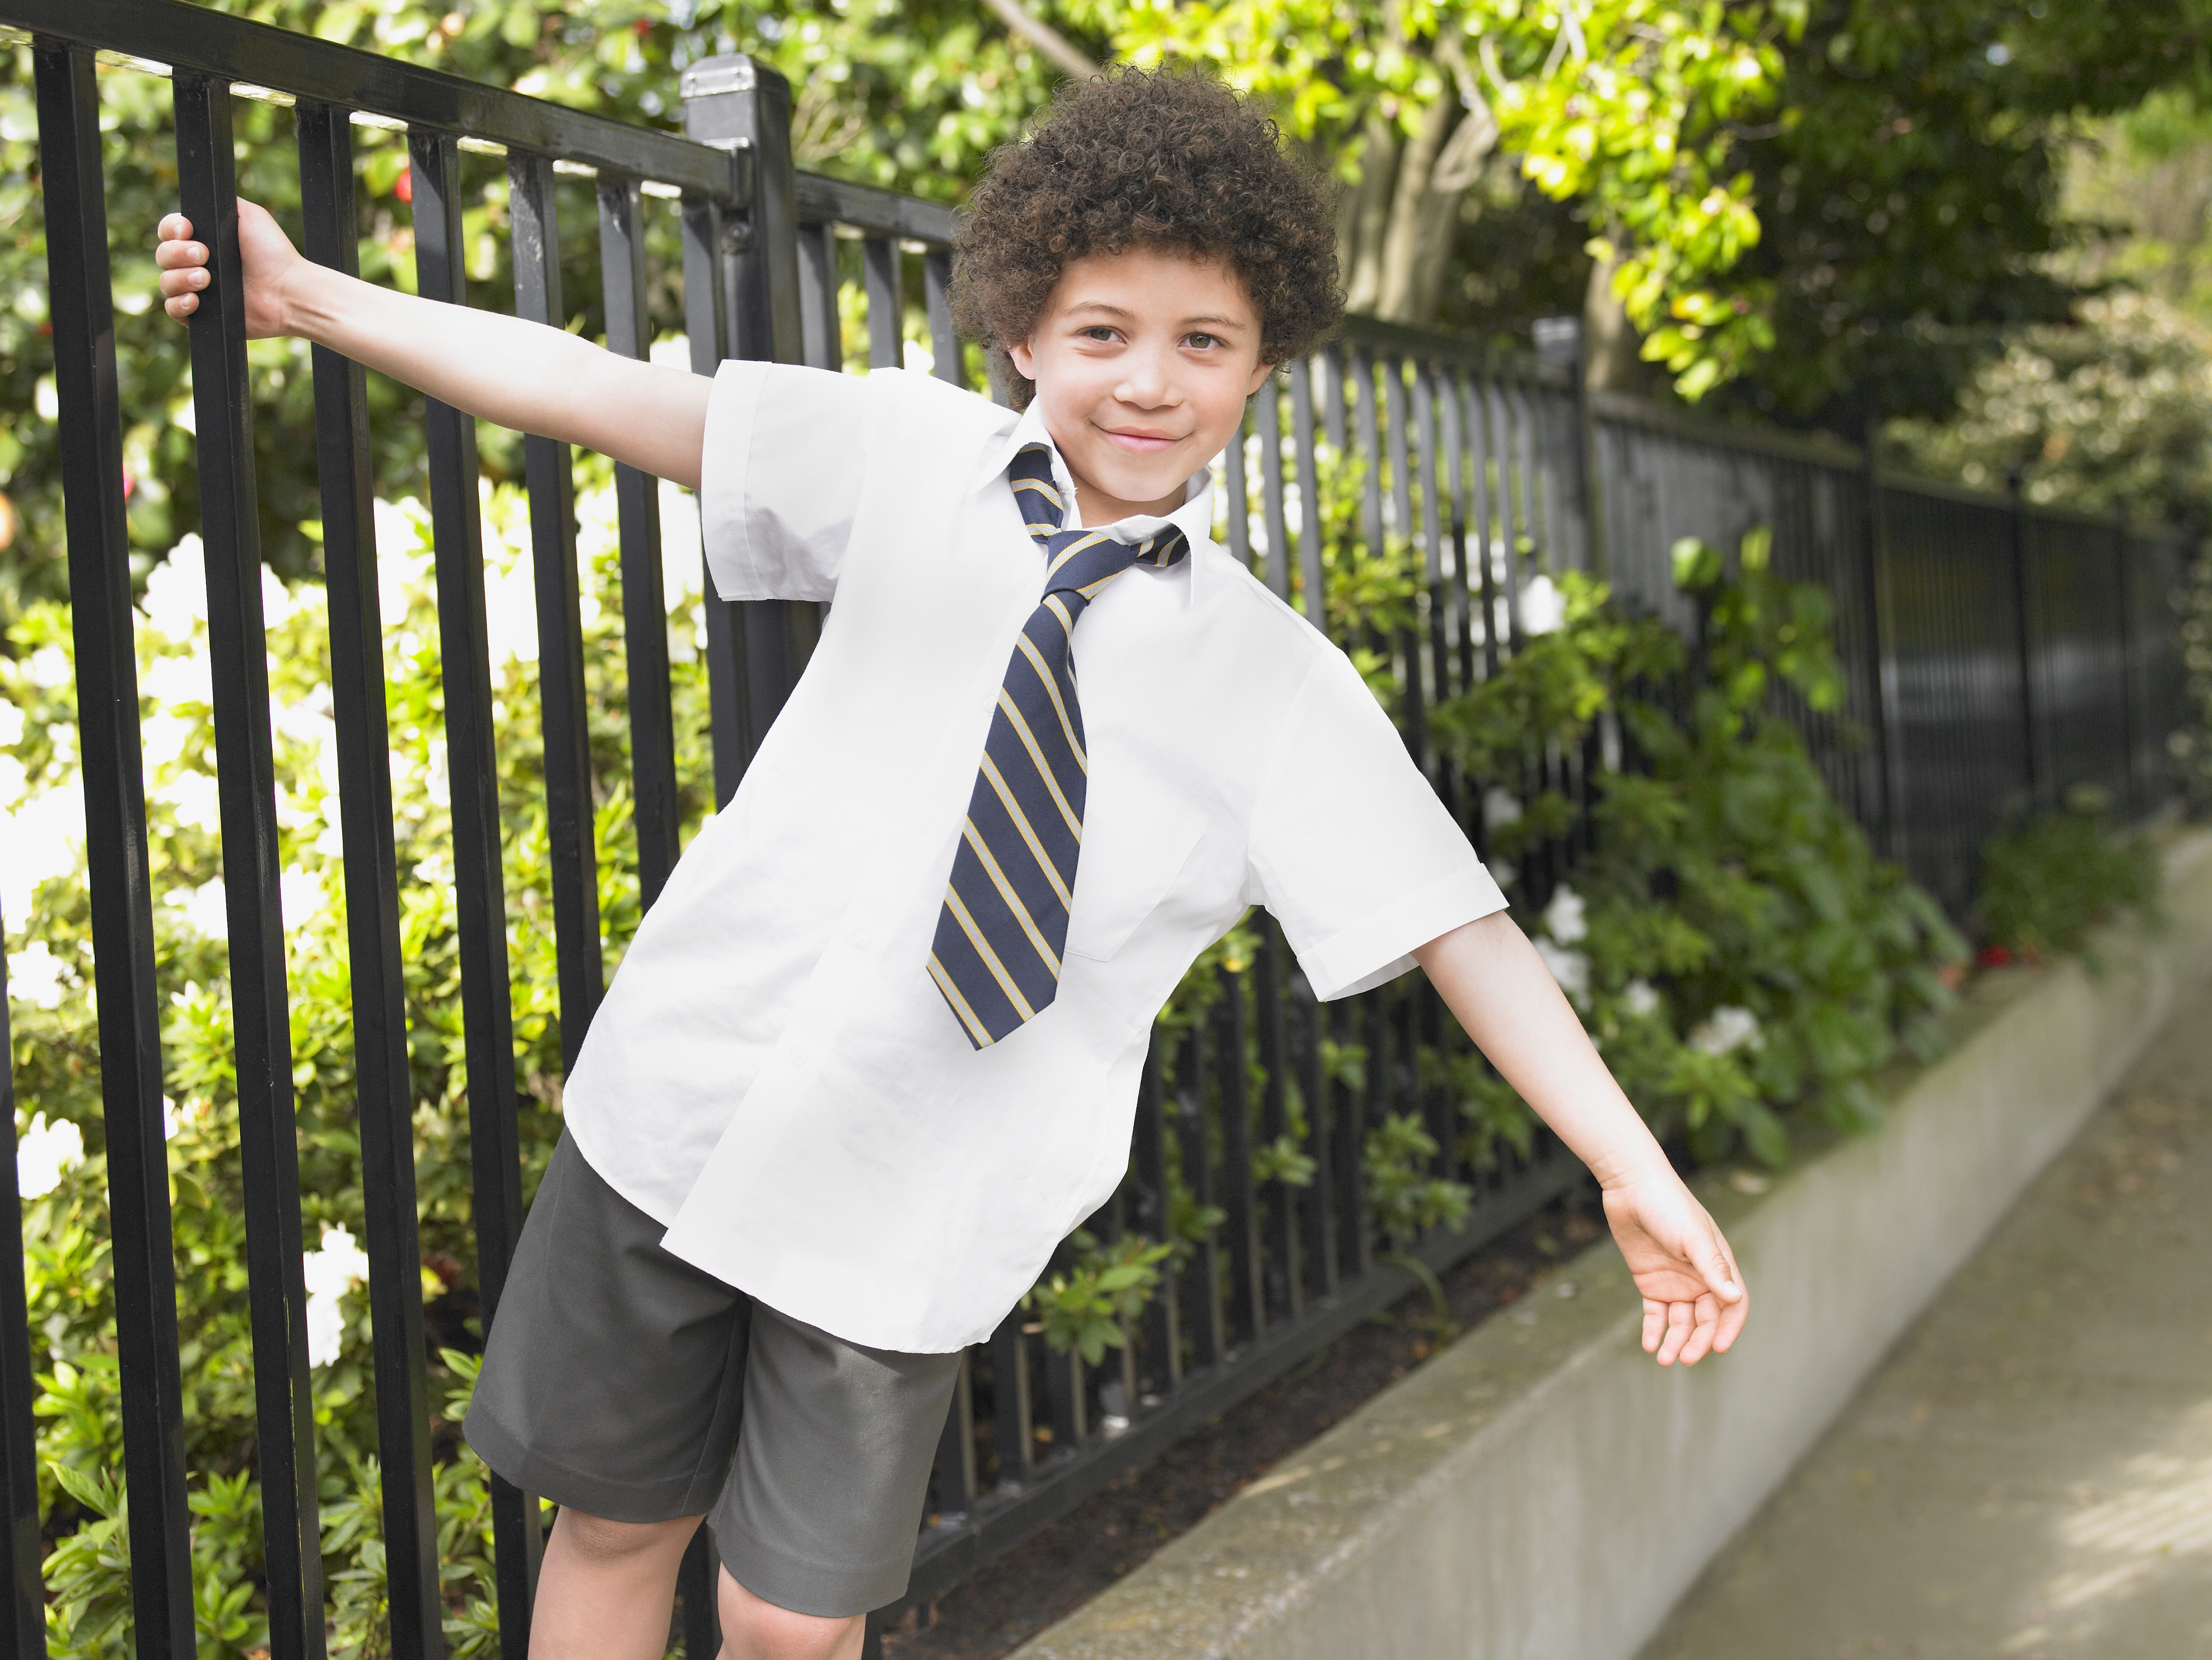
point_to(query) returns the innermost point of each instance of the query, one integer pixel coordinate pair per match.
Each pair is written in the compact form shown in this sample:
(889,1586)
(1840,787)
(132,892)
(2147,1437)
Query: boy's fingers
(1707,1319)
(183,306)
(1654,1324)
(1733,1315)
(1678,1333)
(1719,1273)
(177,255)
(174,227)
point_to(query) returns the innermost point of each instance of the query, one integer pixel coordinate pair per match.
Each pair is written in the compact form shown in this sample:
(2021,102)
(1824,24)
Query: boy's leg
(756,1630)
(605,1588)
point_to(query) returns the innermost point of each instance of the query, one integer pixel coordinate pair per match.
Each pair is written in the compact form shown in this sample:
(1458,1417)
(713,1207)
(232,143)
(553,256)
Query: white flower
(176,590)
(277,602)
(204,907)
(41,839)
(11,725)
(43,1153)
(1726,1030)
(1638,998)
(300,894)
(1570,968)
(1543,607)
(179,677)
(162,738)
(1563,917)
(47,668)
(37,977)
(330,1272)
(171,1122)
(193,798)
(1499,808)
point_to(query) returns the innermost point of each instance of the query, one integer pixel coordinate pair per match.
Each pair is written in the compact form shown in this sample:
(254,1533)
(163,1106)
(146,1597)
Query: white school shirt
(773,1074)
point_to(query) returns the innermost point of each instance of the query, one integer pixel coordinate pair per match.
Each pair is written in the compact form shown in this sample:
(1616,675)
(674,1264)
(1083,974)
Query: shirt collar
(1194,519)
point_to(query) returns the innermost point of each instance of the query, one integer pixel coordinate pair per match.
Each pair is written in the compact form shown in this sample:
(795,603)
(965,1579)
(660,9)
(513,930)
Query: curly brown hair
(1161,159)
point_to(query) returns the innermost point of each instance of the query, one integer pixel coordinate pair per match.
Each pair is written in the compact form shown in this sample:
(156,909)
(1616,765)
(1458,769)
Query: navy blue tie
(1003,927)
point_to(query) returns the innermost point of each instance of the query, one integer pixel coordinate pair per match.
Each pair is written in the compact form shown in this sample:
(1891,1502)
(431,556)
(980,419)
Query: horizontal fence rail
(1996,654)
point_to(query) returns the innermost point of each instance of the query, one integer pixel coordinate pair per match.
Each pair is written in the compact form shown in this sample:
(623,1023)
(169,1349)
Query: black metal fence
(1996,652)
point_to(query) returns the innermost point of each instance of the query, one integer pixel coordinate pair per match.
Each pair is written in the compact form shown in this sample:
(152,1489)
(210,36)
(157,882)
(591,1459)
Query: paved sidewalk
(2030,1474)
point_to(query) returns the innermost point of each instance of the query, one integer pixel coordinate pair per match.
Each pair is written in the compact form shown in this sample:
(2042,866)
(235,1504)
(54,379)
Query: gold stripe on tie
(990,770)
(978,1033)
(1044,950)
(959,909)
(1044,767)
(1025,645)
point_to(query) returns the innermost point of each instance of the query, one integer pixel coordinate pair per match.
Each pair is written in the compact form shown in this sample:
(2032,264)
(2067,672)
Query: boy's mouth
(1140,441)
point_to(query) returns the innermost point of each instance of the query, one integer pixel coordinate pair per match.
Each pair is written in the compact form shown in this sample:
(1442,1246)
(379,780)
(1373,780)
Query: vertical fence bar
(1408,643)
(1368,436)
(2130,717)
(269,1143)
(1348,1114)
(90,421)
(1247,1299)
(948,362)
(1881,655)
(384,1102)
(955,1448)
(1317,1205)
(653,810)
(1280,1235)
(1202,1286)
(1330,366)
(1163,1351)
(1268,422)
(820,330)
(1313,522)
(1012,1427)
(1236,506)
(479,883)
(882,273)
(2023,602)
(736,102)
(551,473)
(706,327)
(1457,486)
(23,1589)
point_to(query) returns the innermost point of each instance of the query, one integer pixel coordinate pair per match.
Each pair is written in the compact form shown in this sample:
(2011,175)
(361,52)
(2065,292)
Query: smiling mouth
(1144,443)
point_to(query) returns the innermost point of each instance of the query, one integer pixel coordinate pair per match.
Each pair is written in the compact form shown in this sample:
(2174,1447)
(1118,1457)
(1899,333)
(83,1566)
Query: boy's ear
(1260,374)
(1024,359)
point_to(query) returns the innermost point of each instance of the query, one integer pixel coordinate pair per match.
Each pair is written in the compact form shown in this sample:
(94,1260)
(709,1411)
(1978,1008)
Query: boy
(874,1052)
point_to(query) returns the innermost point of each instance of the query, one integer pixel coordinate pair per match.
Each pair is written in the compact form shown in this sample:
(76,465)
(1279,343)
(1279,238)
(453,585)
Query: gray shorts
(622,1382)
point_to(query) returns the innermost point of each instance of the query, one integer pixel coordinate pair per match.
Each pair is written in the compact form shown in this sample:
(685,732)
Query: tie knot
(1076,560)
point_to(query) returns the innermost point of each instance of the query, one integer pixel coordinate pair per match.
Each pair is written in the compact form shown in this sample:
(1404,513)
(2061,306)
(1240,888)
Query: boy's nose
(1146,383)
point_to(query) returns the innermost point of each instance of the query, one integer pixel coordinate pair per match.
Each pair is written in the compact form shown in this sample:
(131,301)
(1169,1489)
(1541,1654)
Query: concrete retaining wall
(1541,1490)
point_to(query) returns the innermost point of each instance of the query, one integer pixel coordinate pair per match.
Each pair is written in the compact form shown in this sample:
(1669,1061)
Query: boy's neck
(1095,508)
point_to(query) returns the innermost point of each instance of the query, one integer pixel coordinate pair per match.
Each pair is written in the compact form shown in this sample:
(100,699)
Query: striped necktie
(1004,924)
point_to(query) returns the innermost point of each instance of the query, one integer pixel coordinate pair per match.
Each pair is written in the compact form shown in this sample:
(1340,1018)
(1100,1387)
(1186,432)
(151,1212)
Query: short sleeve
(778,474)
(1351,850)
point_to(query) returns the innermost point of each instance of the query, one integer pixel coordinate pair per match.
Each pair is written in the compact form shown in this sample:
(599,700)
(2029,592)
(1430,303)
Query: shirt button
(862,938)
(798,1054)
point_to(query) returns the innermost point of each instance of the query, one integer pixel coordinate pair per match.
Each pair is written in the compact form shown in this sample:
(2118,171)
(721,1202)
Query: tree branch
(1045,37)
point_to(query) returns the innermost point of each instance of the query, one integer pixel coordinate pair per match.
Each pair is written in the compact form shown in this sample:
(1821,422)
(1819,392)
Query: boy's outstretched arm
(1506,1000)
(522,375)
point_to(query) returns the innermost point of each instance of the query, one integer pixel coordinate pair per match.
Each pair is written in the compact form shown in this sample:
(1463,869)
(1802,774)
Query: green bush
(2047,883)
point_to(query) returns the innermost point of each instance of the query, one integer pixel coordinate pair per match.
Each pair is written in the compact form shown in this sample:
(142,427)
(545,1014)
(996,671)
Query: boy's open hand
(265,251)
(1694,1301)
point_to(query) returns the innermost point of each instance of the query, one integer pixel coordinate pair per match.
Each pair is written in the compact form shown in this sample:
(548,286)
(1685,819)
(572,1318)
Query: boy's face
(1142,361)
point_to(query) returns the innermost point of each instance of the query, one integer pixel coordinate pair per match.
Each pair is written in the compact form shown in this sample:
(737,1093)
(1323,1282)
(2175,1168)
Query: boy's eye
(1099,332)
(1204,341)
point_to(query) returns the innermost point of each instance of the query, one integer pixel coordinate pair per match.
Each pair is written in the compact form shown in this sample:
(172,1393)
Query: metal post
(740,105)
(1560,340)
(383,1091)
(479,880)
(269,1139)
(637,507)
(2023,599)
(1881,656)
(565,719)
(91,426)
(2130,720)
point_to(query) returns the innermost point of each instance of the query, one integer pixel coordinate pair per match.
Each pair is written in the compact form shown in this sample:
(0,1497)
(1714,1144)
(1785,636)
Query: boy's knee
(759,1630)
(601,1540)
